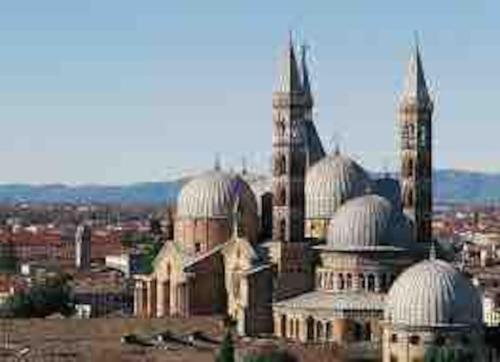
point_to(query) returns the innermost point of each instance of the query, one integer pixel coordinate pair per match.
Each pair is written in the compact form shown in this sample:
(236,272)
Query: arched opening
(319,331)
(357,331)
(283,326)
(368,331)
(310,329)
(328,331)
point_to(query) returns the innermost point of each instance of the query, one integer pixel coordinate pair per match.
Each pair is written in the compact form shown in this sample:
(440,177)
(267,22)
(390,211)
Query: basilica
(324,252)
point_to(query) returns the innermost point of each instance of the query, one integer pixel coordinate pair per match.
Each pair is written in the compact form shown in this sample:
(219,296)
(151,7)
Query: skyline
(91,95)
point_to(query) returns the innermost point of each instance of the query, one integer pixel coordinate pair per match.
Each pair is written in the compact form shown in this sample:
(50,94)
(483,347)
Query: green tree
(40,301)
(226,352)
(447,353)
(8,260)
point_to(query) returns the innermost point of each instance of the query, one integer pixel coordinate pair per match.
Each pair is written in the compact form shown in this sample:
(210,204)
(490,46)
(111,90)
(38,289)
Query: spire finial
(335,143)
(416,40)
(217,166)
(432,251)
(244,170)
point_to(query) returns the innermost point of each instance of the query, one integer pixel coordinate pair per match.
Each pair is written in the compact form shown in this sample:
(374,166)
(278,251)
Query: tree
(40,301)
(8,260)
(226,352)
(447,353)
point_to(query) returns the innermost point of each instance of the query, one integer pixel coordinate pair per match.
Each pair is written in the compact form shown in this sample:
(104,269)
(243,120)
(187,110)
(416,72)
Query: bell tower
(289,252)
(288,152)
(415,116)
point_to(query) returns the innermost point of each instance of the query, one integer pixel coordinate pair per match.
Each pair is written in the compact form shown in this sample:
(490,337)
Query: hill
(449,186)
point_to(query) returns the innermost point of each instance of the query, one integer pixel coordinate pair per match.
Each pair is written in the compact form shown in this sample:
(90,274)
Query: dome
(368,222)
(330,182)
(211,195)
(433,293)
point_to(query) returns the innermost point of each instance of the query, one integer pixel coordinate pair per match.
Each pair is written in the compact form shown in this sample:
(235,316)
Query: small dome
(368,222)
(433,293)
(212,195)
(330,182)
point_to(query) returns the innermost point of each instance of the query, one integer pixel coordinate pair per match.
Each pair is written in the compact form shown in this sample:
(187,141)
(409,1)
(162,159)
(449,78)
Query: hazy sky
(116,91)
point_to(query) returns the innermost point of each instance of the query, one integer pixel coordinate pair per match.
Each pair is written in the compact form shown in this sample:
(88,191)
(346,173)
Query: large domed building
(432,304)
(316,257)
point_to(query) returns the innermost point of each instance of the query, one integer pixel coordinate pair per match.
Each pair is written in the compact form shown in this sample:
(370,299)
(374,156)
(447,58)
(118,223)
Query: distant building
(83,242)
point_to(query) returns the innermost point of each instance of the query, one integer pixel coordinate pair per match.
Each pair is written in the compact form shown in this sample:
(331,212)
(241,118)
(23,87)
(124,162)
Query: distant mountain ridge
(449,186)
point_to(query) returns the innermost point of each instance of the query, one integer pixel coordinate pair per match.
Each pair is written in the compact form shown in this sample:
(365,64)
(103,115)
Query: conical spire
(289,76)
(415,86)
(306,83)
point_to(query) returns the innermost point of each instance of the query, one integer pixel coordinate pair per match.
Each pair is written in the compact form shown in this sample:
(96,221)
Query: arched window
(341,282)
(371,282)
(383,282)
(282,229)
(348,284)
(361,280)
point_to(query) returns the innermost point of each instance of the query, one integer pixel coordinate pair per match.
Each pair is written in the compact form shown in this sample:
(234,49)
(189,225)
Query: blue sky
(117,91)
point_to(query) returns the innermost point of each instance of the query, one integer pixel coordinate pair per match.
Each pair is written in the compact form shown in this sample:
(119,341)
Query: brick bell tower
(415,116)
(290,252)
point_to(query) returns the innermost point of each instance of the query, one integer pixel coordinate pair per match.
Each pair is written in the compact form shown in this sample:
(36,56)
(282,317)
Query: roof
(212,195)
(433,293)
(335,301)
(331,182)
(368,223)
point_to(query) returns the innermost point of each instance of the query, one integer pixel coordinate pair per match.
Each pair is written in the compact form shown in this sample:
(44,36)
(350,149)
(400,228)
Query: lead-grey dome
(368,222)
(433,293)
(212,194)
(330,182)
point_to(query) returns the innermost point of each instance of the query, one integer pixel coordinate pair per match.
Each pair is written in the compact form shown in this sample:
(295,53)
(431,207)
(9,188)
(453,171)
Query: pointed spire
(306,83)
(415,88)
(289,77)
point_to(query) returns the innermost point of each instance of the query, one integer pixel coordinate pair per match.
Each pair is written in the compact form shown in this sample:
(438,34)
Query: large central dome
(330,182)
(368,222)
(433,293)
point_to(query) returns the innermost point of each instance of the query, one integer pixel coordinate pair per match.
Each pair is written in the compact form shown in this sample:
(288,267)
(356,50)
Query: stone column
(377,283)
(149,299)
(160,299)
(138,305)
